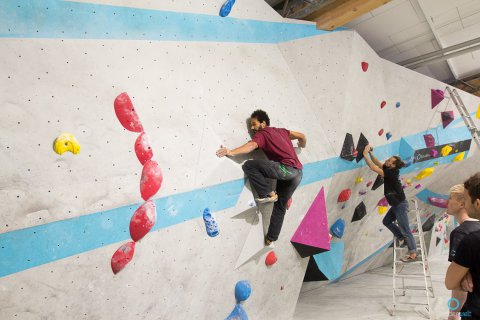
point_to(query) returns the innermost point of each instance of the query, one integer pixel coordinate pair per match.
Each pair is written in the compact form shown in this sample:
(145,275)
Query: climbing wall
(193,78)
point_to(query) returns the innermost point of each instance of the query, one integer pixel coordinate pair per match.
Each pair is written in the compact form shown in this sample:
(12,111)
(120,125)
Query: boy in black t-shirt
(390,171)
(456,207)
(464,272)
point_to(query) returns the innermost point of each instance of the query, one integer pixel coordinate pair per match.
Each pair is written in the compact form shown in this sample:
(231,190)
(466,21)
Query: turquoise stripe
(72,20)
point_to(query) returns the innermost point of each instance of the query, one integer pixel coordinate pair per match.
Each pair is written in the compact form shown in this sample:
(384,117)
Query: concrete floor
(368,296)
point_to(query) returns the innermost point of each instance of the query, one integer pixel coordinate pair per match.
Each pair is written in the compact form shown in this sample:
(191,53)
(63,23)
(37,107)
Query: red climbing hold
(364,66)
(271,258)
(143,220)
(151,179)
(383,104)
(122,256)
(289,203)
(126,113)
(344,195)
(142,148)
(369,183)
(380,132)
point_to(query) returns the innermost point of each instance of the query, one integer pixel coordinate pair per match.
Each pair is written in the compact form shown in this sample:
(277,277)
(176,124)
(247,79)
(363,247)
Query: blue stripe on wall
(30,247)
(71,20)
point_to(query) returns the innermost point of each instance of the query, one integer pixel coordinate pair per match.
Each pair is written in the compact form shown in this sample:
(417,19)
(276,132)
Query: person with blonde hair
(456,208)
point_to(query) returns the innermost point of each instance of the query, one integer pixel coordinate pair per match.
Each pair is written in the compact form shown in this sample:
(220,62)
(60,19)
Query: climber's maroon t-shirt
(276,144)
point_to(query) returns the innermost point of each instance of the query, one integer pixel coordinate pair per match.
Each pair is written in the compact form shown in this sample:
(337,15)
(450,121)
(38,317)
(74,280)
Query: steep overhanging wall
(194,79)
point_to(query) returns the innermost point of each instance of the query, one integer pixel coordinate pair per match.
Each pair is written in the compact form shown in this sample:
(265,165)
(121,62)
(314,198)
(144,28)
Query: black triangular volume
(360,212)
(306,251)
(438,241)
(313,273)
(378,182)
(348,148)
(362,143)
(428,225)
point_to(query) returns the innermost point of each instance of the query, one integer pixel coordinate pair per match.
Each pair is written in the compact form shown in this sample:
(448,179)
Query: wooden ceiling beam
(340,12)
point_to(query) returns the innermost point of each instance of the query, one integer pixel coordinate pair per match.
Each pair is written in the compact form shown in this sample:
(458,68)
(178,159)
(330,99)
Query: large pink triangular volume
(437,97)
(311,236)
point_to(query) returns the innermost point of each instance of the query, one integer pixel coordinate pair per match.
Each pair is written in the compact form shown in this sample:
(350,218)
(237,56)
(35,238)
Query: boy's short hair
(261,116)
(472,185)
(458,191)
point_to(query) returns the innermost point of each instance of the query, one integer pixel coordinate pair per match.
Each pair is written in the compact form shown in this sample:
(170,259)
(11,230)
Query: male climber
(283,166)
(393,191)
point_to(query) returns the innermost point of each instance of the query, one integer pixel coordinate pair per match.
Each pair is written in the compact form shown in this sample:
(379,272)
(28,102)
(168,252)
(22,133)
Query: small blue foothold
(238,313)
(397,104)
(242,290)
(226,8)
(388,135)
(338,228)
(210,224)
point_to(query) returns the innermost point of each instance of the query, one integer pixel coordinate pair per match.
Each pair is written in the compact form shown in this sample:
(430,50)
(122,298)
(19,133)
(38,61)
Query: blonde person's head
(458,191)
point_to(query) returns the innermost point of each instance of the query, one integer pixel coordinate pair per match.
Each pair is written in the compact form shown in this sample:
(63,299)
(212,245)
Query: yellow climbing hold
(446,150)
(478,112)
(358,180)
(66,142)
(382,210)
(408,181)
(459,157)
(424,173)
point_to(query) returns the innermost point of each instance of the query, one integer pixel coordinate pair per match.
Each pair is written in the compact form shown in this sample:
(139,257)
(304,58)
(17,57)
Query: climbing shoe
(267,199)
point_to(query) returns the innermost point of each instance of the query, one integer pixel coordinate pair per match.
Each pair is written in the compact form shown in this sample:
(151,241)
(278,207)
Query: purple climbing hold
(382,202)
(433,153)
(226,8)
(429,140)
(437,97)
(418,186)
(438,202)
(447,118)
(362,192)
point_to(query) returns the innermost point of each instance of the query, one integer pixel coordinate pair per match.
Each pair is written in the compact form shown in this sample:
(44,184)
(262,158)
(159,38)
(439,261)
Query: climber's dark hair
(261,116)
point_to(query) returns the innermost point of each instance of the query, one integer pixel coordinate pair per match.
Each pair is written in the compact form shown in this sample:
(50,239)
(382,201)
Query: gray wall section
(191,98)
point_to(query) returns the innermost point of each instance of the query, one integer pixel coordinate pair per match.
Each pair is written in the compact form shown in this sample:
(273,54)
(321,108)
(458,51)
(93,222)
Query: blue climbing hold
(242,290)
(238,313)
(210,224)
(397,104)
(388,135)
(226,8)
(338,228)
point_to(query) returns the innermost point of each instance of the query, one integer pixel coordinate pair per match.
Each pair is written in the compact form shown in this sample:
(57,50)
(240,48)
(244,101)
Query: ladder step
(411,303)
(411,276)
(416,288)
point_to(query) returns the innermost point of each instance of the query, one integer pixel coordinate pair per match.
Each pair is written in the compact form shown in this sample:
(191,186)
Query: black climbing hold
(378,182)
(348,148)
(362,143)
(360,212)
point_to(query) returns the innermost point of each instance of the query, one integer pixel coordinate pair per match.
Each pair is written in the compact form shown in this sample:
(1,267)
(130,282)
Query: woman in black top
(390,171)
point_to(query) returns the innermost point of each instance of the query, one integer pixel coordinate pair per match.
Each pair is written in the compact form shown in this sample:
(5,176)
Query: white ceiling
(404,29)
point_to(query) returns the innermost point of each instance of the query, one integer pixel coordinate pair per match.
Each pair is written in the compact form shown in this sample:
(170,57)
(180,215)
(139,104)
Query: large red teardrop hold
(344,195)
(364,66)
(143,220)
(122,256)
(151,179)
(271,258)
(126,113)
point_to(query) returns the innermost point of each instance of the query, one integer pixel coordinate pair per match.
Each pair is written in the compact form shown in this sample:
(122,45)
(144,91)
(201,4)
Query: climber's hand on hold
(222,152)
(366,150)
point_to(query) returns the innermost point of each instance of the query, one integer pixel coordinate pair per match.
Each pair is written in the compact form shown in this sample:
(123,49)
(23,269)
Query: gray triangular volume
(360,212)
(348,148)
(362,143)
(378,182)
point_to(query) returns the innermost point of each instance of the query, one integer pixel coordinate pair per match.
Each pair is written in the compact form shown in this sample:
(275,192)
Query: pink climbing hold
(364,66)
(418,186)
(380,132)
(142,148)
(289,203)
(383,104)
(126,113)
(437,97)
(433,153)
(382,202)
(151,179)
(429,140)
(122,257)
(438,202)
(369,183)
(271,258)
(143,220)
(344,195)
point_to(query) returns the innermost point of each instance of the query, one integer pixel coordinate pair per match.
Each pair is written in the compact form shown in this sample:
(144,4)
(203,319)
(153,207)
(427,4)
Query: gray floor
(369,296)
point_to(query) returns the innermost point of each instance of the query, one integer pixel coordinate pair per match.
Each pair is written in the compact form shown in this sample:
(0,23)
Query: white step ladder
(465,115)
(417,272)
